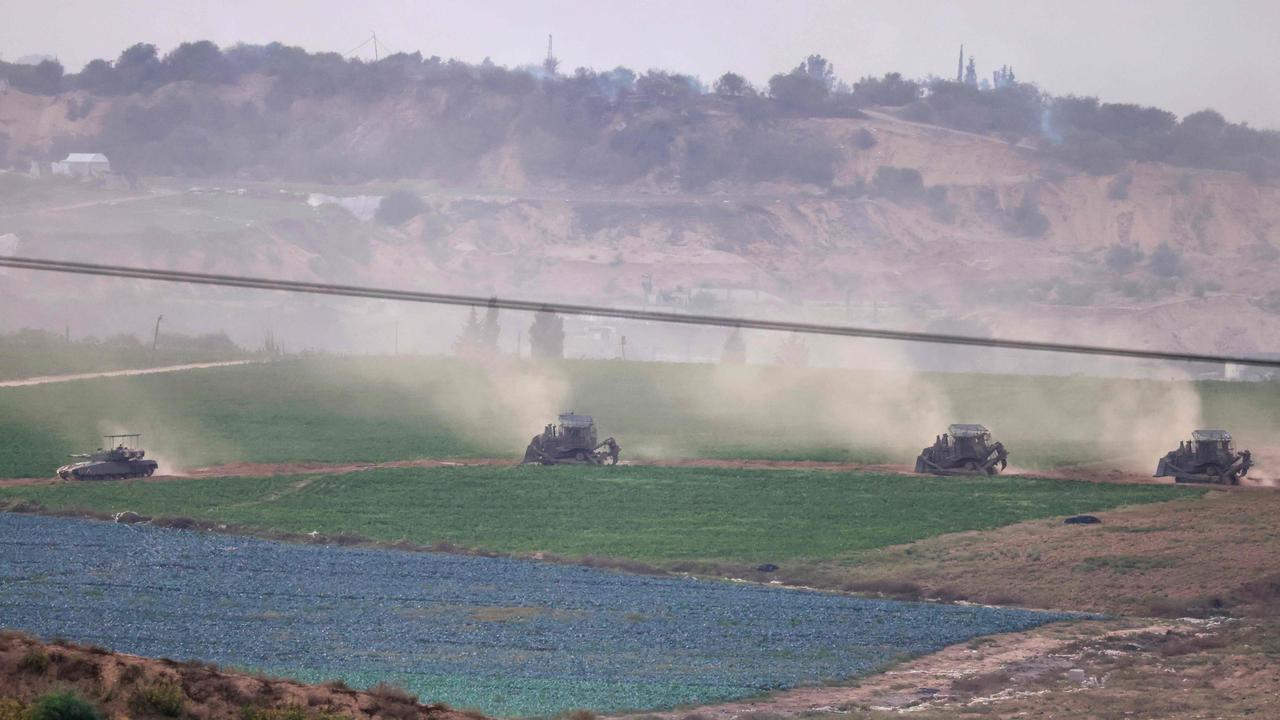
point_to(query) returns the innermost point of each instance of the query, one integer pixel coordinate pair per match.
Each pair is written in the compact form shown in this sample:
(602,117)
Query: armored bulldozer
(1209,457)
(119,461)
(963,450)
(573,442)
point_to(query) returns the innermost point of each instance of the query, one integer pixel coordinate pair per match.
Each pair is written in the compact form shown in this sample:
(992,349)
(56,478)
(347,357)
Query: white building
(83,165)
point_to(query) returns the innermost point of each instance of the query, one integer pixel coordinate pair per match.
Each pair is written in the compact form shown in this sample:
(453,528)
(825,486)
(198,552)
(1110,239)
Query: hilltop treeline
(331,118)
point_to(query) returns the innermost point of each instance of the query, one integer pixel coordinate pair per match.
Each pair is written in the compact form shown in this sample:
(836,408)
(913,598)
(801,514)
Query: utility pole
(155,337)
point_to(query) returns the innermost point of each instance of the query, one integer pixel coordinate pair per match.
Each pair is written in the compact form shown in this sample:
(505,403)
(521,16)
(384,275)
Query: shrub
(62,706)
(1026,220)
(936,198)
(1166,262)
(1073,294)
(1123,258)
(288,712)
(12,709)
(897,184)
(399,207)
(35,661)
(863,139)
(162,699)
(1118,188)
(386,691)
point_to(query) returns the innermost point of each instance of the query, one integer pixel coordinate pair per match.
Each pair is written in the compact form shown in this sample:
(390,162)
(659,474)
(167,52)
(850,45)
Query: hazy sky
(1183,55)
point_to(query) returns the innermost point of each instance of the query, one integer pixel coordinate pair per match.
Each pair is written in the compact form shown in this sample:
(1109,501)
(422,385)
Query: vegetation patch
(1124,563)
(648,514)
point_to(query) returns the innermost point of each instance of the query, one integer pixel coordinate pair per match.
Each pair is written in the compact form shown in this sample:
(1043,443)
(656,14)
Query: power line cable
(356,291)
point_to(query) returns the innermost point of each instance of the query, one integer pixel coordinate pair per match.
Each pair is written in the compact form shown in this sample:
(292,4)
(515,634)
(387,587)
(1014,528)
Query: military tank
(965,449)
(117,462)
(571,442)
(1210,457)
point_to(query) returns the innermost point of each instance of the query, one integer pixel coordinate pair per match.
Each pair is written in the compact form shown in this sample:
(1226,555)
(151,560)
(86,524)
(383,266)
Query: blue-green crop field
(508,637)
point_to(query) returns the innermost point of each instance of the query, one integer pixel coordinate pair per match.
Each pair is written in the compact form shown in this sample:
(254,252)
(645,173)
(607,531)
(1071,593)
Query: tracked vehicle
(117,462)
(964,449)
(1209,457)
(572,442)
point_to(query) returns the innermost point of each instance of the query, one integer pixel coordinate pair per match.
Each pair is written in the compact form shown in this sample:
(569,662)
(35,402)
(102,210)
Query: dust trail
(48,379)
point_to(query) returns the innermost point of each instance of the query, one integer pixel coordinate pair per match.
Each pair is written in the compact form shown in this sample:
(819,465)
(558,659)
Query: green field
(325,409)
(654,515)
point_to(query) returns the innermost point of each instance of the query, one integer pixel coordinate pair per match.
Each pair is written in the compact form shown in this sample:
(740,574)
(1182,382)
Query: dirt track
(49,379)
(250,469)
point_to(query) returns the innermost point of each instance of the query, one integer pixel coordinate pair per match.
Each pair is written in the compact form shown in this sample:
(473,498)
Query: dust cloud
(885,407)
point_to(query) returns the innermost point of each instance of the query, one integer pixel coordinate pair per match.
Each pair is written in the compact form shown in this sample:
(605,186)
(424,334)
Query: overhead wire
(638,314)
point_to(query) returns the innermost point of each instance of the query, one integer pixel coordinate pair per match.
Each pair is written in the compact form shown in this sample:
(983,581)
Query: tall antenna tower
(551,63)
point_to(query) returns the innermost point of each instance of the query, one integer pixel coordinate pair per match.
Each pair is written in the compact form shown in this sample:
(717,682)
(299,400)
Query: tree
(971,73)
(490,329)
(733,85)
(43,79)
(891,90)
(479,338)
(546,336)
(805,88)
(735,349)
(819,70)
(138,66)
(99,78)
(200,62)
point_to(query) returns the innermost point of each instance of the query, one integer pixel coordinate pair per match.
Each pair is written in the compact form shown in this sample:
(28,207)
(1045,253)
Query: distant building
(83,165)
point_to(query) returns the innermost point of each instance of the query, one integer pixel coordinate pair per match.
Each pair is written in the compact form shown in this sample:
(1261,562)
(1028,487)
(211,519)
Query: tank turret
(119,460)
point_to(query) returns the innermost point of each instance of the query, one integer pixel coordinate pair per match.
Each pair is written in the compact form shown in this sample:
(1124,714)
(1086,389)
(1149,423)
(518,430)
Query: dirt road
(48,379)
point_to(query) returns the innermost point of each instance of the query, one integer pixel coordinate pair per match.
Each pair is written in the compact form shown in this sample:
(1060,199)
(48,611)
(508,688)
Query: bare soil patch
(1108,668)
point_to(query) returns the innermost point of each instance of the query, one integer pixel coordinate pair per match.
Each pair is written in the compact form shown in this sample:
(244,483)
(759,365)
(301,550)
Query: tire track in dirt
(255,469)
(49,379)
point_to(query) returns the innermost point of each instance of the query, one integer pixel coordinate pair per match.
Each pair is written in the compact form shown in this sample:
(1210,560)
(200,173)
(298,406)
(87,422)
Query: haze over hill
(984,206)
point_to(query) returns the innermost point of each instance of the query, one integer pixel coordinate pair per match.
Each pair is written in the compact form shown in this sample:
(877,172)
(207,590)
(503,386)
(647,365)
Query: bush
(1075,294)
(163,699)
(1123,258)
(1026,220)
(11,709)
(288,712)
(399,207)
(897,184)
(863,139)
(35,662)
(939,208)
(1166,262)
(62,706)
